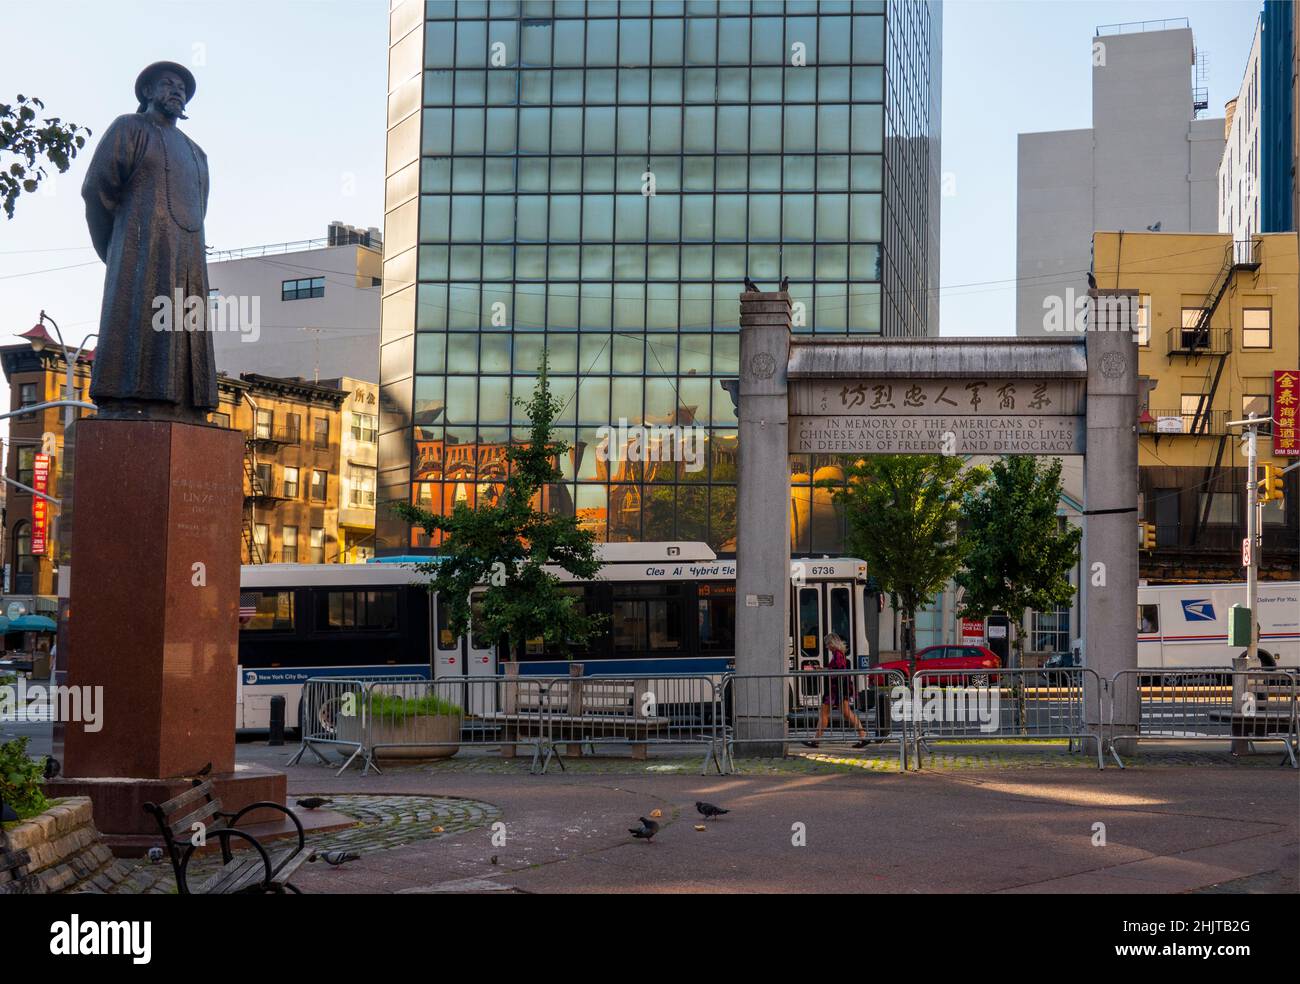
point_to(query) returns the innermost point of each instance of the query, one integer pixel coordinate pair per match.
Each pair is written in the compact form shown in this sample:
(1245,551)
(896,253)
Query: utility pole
(1254,541)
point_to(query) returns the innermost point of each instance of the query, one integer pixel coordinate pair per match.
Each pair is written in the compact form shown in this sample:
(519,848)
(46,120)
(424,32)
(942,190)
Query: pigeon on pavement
(334,858)
(708,810)
(646,831)
(313,802)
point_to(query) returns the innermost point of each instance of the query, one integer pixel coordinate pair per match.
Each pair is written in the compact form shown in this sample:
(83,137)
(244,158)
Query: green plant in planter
(21,778)
(393,707)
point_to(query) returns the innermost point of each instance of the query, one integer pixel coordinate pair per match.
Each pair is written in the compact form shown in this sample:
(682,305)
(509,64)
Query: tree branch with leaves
(29,141)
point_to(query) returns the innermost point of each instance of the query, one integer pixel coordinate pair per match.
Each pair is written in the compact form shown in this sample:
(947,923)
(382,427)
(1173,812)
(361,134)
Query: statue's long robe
(146,195)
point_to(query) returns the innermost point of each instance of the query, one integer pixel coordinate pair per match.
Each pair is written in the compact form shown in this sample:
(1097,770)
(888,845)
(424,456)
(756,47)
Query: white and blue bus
(670,607)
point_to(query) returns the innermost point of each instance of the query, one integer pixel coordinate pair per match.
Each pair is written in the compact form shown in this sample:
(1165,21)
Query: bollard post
(277,721)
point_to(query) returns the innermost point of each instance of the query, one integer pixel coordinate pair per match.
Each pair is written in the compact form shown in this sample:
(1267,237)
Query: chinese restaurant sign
(1286,394)
(955,416)
(40,507)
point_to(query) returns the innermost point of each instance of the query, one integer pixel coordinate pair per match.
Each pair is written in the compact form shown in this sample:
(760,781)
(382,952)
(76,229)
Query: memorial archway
(1061,396)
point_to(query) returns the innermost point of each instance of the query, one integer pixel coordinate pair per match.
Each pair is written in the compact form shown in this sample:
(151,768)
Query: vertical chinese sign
(40,507)
(1286,395)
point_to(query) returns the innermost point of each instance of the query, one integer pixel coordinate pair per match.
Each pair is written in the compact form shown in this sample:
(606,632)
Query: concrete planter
(420,736)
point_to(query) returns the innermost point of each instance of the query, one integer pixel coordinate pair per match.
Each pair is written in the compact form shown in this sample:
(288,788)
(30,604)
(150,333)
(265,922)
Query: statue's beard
(166,110)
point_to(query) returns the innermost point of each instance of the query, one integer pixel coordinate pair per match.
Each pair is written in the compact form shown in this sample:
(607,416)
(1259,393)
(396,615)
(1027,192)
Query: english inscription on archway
(936,416)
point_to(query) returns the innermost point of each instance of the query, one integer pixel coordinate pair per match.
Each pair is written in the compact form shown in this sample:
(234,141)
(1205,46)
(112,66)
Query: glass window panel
(471,44)
(764,129)
(569,42)
(431,307)
(868,127)
(868,84)
(832,217)
(836,34)
(563,351)
(634,85)
(724,411)
(864,222)
(431,352)
(626,395)
(729,220)
(437,88)
(797,218)
(701,85)
(494,400)
(767,40)
(428,400)
(528,352)
(697,218)
(466,218)
(866,173)
(660,400)
(465,262)
(701,40)
(733,173)
(439,37)
(733,85)
(534,131)
(536,42)
(435,139)
(462,395)
(764,262)
(765,85)
(435,214)
(598,172)
(498,218)
(800,84)
(534,88)
(633,128)
(531,227)
(435,174)
(833,84)
(832,304)
(565,213)
(696,314)
(765,174)
(471,88)
(501,130)
(630,218)
(664,218)
(667,42)
(729,262)
(832,129)
(596,307)
(832,262)
(864,261)
(566,131)
(864,307)
(634,42)
(801,30)
(661,307)
(562,262)
(498,263)
(726,307)
(662,262)
(495,314)
(733,123)
(868,39)
(629,306)
(629,262)
(591,509)
(564,387)
(462,306)
(562,307)
(599,137)
(666,129)
(597,218)
(602,42)
(593,400)
(764,218)
(530,307)
(697,263)
(467,174)
(699,130)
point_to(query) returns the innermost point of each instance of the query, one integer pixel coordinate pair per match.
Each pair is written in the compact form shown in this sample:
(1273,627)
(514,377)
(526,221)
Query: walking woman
(839,692)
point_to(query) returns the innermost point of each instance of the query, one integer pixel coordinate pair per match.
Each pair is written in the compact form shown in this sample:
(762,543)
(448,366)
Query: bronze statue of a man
(146,194)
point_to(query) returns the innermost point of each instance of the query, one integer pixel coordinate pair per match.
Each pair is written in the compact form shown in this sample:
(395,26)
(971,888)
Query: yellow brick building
(1216,318)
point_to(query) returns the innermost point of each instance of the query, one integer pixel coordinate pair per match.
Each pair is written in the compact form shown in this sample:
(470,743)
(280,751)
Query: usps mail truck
(1186,625)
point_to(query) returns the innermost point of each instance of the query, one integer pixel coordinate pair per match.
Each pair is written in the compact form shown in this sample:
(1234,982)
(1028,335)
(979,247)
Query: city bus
(1183,626)
(670,610)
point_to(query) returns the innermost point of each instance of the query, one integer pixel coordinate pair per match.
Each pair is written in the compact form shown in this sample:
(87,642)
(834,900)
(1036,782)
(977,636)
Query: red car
(952,658)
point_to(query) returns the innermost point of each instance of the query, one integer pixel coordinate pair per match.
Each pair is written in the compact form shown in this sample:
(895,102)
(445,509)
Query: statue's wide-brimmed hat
(150,71)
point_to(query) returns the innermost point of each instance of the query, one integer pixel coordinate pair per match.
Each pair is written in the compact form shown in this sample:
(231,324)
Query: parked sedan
(953,658)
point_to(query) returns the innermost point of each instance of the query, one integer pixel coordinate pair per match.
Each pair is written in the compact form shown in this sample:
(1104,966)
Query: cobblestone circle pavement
(382,822)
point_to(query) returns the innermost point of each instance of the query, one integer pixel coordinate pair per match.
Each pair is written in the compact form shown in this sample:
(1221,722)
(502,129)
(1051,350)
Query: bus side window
(842,615)
(446,640)
(1148,619)
(274,610)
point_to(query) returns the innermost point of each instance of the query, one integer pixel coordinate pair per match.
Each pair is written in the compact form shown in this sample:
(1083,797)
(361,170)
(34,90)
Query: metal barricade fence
(1002,704)
(329,715)
(1204,704)
(778,709)
(422,718)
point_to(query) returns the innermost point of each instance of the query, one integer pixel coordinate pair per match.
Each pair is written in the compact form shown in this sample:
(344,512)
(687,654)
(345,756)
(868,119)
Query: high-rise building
(596,179)
(1147,162)
(307,308)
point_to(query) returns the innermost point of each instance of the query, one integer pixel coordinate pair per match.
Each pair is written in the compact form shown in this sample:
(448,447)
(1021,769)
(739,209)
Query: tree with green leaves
(1021,551)
(26,140)
(902,512)
(503,547)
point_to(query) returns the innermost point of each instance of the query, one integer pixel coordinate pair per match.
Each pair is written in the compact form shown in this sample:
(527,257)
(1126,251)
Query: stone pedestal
(153,617)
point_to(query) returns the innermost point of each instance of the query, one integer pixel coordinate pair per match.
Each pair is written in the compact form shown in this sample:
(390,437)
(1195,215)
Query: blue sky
(290,109)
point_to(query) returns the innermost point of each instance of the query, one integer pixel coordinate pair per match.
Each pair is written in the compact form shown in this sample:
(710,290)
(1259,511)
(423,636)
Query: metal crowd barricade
(435,718)
(330,715)
(1206,704)
(981,705)
(784,708)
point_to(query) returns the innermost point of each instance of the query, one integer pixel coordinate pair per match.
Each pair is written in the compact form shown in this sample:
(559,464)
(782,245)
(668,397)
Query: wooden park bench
(252,871)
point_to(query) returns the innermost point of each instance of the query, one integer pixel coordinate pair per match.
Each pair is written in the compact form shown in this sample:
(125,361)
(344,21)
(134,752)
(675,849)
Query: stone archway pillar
(763,493)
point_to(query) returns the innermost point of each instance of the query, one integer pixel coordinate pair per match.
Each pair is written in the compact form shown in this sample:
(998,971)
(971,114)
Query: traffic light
(1270,486)
(1146,536)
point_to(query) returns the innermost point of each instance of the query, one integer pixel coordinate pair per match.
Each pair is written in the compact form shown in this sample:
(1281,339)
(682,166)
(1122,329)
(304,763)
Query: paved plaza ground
(978,818)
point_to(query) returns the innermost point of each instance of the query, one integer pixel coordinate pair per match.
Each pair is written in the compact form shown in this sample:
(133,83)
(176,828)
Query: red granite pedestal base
(153,620)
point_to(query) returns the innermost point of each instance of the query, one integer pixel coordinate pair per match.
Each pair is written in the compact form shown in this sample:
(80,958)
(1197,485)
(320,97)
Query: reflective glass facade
(597,179)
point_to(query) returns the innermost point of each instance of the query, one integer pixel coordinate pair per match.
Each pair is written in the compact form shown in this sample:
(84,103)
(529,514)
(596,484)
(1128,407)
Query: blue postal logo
(1198,611)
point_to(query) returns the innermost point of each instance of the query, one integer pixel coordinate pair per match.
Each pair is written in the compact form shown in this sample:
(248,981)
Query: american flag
(247,606)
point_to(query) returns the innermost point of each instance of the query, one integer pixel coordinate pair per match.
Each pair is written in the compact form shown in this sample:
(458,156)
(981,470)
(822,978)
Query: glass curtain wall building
(596,179)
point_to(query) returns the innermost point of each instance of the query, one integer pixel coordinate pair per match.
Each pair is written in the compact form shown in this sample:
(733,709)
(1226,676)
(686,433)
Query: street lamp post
(71,359)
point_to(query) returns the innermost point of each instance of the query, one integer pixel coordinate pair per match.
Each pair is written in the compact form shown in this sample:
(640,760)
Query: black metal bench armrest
(182,883)
(302,835)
